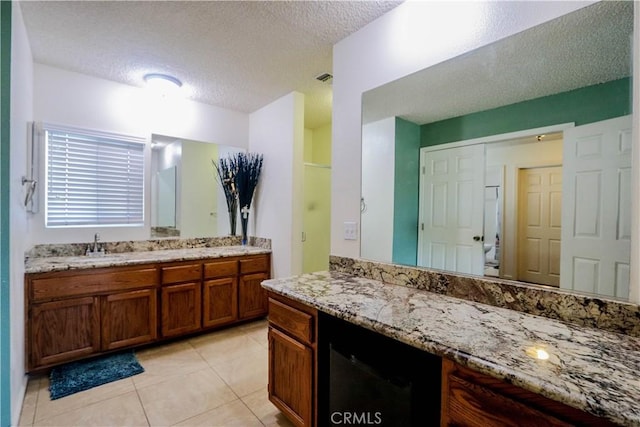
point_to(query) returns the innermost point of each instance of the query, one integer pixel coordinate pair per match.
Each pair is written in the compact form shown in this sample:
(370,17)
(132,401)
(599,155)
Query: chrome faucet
(96,250)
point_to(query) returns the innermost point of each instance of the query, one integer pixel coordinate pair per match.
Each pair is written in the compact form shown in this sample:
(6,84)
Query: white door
(596,205)
(451,209)
(539,225)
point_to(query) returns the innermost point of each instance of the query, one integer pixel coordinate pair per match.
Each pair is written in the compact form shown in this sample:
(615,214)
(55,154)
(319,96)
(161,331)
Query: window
(93,178)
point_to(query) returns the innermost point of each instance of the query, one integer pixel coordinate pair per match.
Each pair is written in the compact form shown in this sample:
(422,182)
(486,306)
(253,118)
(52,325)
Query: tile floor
(217,379)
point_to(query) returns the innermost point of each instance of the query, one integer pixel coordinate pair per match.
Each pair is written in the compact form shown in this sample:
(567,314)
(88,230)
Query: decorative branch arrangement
(238,175)
(226,170)
(247,176)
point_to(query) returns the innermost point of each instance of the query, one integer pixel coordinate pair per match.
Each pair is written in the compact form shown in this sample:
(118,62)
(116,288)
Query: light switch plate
(350,230)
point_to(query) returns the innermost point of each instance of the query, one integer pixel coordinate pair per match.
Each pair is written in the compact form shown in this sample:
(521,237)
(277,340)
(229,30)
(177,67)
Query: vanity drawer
(181,273)
(471,404)
(296,322)
(471,399)
(254,265)
(217,269)
(62,286)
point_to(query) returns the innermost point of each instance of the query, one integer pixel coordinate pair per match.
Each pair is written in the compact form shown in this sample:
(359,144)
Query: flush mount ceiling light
(163,84)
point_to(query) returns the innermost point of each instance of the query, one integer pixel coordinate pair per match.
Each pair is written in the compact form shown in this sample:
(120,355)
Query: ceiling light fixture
(163,84)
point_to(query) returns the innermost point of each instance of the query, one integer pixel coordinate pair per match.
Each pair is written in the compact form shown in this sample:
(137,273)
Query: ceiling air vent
(325,77)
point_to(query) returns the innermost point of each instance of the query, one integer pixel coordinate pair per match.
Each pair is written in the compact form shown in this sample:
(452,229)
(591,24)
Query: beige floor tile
(259,335)
(231,414)
(124,410)
(167,362)
(47,408)
(216,336)
(279,421)
(256,324)
(225,345)
(258,402)
(245,373)
(180,384)
(30,401)
(184,397)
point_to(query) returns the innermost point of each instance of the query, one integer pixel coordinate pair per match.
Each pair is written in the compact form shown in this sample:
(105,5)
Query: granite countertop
(589,369)
(61,263)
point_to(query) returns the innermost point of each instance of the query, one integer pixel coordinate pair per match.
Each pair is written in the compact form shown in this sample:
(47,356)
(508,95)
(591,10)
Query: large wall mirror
(511,161)
(186,198)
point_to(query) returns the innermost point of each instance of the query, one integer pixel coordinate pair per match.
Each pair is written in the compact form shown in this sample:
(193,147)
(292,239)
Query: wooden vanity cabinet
(471,399)
(181,299)
(73,314)
(252,296)
(60,331)
(129,318)
(292,359)
(467,398)
(220,293)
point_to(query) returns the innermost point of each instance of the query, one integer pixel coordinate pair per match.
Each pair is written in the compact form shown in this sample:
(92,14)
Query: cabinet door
(219,302)
(252,296)
(291,377)
(64,330)
(181,309)
(129,318)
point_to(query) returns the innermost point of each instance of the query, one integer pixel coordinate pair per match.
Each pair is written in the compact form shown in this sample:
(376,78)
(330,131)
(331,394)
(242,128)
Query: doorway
(539,216)
(316,240)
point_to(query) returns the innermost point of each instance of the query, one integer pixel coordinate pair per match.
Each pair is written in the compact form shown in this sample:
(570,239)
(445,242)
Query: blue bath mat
(85,374)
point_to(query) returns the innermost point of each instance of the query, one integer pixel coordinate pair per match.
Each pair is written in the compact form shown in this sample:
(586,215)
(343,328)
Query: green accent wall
(581,106)
(407,184)
(5,320)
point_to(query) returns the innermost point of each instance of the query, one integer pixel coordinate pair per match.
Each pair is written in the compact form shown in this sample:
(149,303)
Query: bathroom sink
(100,254)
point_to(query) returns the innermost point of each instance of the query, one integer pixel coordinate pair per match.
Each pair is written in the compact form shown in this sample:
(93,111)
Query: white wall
(99,104)
(378,172)
(413,36)
(21,114)
(277,131)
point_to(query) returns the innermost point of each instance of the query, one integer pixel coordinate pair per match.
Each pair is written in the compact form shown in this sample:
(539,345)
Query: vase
(233,216)
(244,222)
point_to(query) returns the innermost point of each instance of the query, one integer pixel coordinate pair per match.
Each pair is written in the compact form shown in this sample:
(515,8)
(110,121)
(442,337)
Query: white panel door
(596,205)
(451,209)
(539,225)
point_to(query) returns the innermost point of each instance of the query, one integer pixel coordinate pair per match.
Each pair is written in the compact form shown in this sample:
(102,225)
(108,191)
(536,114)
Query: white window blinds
(93,178)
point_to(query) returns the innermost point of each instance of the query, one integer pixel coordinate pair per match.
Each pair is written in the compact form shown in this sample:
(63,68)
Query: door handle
(478,238)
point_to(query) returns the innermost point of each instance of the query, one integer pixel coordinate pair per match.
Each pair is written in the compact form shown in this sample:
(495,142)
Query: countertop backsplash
(79,249)
(580,309)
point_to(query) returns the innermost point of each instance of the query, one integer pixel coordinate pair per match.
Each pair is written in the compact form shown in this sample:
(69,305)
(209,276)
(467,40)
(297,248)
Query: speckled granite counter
(590,369)
(61,263)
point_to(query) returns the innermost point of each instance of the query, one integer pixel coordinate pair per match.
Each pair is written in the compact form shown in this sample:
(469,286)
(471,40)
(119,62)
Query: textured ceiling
(589,46)
(239,55)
